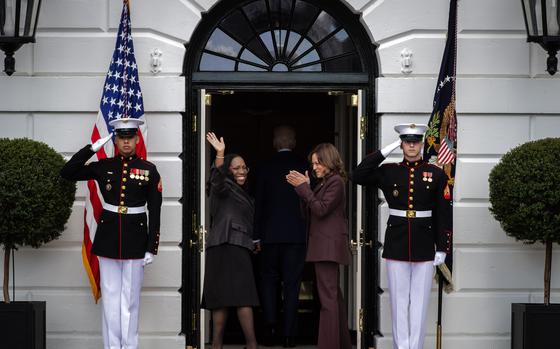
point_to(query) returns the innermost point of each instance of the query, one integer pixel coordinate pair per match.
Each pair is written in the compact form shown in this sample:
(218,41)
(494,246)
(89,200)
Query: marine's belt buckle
(123,209)
(410,214)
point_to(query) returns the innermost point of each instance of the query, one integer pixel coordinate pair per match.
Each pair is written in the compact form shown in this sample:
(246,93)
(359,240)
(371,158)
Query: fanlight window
(280,36)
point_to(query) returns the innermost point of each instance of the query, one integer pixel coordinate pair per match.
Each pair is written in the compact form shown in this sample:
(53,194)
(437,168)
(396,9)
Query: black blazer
(231,212)
(277,213)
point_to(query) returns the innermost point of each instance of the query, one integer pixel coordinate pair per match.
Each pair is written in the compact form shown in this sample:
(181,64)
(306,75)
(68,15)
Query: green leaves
(35,202)
(525,191)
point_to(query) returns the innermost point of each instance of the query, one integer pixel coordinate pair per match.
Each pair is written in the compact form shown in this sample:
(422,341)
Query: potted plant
(35,204)
(525,199)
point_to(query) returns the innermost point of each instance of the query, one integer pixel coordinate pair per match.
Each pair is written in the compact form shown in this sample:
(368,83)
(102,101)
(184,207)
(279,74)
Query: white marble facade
(504,98)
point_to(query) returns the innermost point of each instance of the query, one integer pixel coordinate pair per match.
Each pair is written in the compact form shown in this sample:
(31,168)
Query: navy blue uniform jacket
(411,186)
(121,236)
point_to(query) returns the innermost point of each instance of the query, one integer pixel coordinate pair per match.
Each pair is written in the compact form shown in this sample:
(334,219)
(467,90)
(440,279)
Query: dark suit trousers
(333,322)
(281,262)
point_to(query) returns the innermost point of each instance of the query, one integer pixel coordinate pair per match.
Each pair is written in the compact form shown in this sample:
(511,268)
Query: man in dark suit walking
(281,230)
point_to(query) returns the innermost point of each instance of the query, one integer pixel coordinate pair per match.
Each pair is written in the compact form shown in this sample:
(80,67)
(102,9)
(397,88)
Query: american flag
(445,155)
(122,98)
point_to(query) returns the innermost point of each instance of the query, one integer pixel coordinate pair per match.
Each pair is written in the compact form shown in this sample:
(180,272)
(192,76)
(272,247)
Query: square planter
(23,325)
(534,326)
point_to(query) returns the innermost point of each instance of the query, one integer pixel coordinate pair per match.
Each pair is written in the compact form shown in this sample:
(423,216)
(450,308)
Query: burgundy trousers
(333,322)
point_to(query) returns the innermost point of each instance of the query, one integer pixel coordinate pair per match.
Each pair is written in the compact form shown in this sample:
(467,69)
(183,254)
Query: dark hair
(224,168)
(328,156)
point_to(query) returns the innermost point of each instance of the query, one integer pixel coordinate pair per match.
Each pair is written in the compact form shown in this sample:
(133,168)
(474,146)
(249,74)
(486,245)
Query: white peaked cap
(126,124)
(414,130)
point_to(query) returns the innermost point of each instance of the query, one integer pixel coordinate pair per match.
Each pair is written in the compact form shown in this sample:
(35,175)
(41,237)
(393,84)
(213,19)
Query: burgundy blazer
(325,208)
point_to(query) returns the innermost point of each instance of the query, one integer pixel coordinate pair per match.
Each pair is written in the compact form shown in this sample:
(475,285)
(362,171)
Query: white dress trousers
(410,284)
(121,282)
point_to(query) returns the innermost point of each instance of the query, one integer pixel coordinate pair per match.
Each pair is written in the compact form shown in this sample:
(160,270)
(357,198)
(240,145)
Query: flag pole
(440,306)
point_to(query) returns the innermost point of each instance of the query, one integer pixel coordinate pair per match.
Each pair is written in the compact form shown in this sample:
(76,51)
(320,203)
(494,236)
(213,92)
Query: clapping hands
(296,178)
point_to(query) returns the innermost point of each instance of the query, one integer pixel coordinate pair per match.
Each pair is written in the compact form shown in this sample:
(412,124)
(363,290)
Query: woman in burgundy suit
(325,207)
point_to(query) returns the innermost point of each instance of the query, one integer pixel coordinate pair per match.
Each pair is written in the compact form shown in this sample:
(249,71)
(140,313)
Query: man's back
(277,213)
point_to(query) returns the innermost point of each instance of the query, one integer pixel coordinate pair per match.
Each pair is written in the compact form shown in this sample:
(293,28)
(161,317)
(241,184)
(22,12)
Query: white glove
(100,142)
(390,148)
(439,258)
(148,259)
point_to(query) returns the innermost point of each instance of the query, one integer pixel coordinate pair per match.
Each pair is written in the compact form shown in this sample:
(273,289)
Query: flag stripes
(122,98)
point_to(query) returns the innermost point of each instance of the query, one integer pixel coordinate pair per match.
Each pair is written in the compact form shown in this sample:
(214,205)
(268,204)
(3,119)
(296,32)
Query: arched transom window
(280,36)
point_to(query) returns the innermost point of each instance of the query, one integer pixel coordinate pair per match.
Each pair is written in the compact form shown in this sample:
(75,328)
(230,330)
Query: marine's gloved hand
(148,259)
(388,149)
(100,142)
(439,258)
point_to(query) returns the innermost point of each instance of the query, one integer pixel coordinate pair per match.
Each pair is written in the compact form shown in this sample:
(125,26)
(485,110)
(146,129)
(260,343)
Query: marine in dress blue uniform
(419,229)
(126,238)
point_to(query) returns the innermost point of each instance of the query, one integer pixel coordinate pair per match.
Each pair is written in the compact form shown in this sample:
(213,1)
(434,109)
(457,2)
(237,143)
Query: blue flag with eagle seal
(440,144)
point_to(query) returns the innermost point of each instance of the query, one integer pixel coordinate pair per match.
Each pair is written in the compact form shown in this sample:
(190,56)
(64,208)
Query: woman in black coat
(228,279)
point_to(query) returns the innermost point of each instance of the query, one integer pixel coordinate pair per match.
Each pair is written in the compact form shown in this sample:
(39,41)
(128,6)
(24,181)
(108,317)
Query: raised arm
(368,172)
(219,145)
(76,169)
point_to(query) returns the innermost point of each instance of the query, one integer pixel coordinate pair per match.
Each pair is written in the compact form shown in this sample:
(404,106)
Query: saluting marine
(126,239)
(419,229)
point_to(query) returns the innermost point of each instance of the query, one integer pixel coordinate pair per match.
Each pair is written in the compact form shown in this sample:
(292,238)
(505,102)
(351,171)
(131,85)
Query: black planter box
(535,326)
(23,325)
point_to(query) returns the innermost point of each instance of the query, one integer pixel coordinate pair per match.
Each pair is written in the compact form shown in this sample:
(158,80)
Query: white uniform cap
(411,131)
(126,126)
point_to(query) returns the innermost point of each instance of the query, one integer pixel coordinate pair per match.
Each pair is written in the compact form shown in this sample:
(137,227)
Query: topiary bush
(525,195)
(35,202)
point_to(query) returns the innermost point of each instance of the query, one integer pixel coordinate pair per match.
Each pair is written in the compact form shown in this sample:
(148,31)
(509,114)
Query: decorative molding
(156,61)
(406,61)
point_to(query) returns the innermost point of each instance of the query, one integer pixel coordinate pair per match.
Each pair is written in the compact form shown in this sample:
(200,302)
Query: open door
(194,221)
(367,232)
(350,140)
(358,231)
(364,267)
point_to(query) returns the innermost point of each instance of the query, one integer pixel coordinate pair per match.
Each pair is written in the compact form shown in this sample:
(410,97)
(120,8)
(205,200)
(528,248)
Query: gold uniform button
(411,182)
(124,171)
(410,198)
(122,195)
(122,203)
(125,164)
(412,175)
(411,170)
(124,179)
(410,206)
(411,190)
(123,187)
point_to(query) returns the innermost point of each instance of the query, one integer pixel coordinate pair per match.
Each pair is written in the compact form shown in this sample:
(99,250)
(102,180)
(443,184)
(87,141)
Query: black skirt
(228,278)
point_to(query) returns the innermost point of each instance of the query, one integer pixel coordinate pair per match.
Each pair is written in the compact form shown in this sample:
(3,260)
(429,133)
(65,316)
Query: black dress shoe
(289,342)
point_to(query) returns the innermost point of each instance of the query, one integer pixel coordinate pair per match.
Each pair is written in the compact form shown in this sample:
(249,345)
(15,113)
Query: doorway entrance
(280,58)
(246,120)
